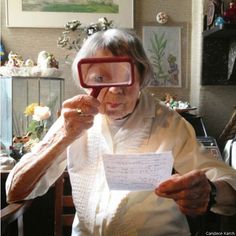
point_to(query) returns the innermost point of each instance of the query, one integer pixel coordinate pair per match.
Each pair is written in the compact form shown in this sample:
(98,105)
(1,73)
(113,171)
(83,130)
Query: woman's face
(118,102)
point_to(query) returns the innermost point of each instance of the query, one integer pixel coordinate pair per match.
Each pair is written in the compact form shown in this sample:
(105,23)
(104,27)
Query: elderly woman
(124,120)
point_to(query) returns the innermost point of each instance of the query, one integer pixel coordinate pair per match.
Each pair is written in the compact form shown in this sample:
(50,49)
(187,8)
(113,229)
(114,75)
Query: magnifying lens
(98,73)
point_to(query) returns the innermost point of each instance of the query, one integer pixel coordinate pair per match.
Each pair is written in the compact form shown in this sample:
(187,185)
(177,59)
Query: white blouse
(150,128)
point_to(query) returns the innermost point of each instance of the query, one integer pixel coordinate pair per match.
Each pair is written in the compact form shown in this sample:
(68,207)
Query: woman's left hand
(190,191)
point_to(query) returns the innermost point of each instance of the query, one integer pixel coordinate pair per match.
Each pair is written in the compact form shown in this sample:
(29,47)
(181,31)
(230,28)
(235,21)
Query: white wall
(196,51)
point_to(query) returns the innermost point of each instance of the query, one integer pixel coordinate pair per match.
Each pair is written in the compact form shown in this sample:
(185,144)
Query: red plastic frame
(95,60)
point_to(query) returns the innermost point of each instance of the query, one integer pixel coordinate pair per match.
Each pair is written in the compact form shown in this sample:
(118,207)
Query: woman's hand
(78,115)
(190,191)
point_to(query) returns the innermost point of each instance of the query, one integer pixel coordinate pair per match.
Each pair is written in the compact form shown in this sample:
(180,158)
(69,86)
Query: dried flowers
(74,34)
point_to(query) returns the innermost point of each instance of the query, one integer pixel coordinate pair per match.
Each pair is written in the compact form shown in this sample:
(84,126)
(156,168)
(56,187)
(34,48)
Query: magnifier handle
(95,92)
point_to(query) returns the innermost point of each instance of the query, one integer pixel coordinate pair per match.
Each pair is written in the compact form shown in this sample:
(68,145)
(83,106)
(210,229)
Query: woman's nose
(116,90)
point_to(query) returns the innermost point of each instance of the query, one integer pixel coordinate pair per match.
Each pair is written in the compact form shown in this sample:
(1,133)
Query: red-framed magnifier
(98,73)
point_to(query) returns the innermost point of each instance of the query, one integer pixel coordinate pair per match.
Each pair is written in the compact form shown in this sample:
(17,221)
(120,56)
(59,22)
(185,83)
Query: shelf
(218,58)
(222,31)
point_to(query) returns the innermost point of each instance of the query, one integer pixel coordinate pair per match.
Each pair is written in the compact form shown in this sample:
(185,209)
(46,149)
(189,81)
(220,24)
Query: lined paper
(137,172)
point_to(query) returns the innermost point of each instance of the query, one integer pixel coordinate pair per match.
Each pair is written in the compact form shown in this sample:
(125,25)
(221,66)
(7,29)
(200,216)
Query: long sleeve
(38,170)
(52,174)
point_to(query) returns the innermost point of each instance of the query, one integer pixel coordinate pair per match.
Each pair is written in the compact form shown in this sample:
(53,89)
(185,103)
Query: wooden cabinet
(219,56)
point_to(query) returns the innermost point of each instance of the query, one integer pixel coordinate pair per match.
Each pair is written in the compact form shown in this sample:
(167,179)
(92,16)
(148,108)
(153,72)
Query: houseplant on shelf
(37,127)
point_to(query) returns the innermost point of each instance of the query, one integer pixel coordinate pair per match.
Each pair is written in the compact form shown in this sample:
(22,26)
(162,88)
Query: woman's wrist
(226,195)
(212,195)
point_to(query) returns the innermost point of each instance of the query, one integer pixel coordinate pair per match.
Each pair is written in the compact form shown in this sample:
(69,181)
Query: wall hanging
(163,47)
(54,13)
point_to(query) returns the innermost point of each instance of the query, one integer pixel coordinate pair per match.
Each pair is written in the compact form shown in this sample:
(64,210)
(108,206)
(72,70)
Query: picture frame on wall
(56,13)
(163,47)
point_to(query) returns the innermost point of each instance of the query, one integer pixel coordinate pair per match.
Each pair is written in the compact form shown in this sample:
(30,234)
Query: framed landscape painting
(163,47)
(56,13)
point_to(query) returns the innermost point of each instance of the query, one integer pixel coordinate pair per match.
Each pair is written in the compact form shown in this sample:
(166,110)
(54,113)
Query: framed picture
(56,13)
(163,47)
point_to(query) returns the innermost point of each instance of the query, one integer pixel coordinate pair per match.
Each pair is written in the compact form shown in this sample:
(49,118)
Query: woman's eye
(98,79)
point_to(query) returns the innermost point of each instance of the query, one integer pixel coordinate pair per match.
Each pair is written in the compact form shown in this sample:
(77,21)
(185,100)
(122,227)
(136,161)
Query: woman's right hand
(78,115)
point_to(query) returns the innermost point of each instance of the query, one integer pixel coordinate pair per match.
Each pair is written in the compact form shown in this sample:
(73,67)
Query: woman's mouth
(113,105)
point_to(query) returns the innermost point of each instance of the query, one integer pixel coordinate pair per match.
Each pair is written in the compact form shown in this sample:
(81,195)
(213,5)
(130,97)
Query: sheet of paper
(137,172)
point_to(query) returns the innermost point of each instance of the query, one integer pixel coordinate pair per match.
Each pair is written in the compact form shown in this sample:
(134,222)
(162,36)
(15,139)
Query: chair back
(64,206)
(14,213)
